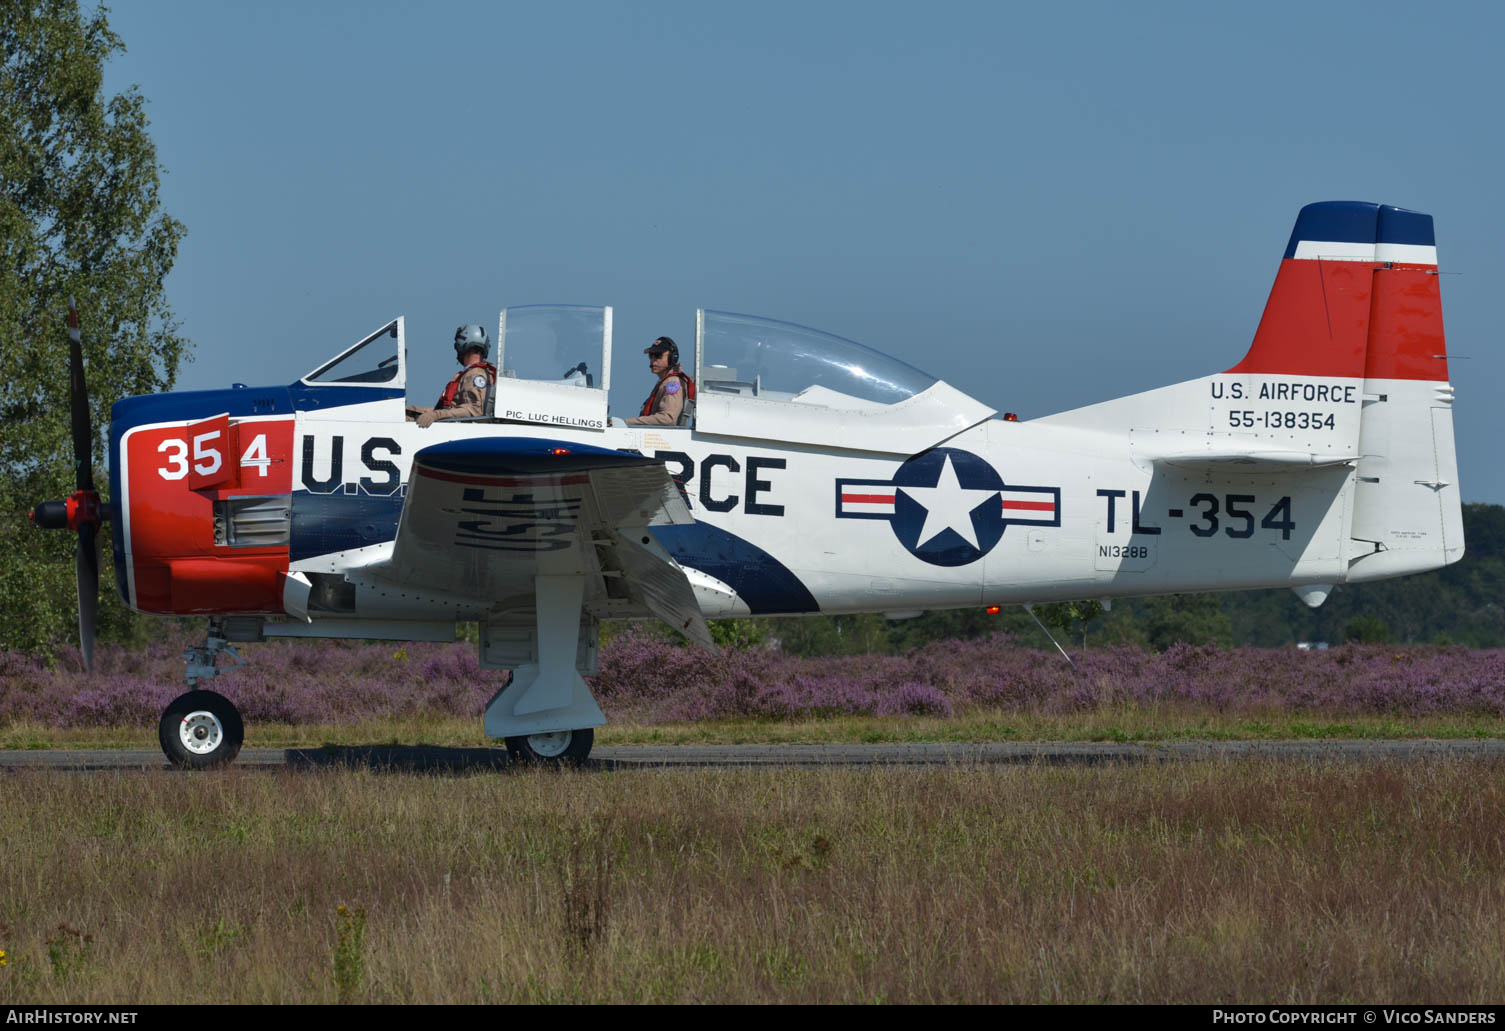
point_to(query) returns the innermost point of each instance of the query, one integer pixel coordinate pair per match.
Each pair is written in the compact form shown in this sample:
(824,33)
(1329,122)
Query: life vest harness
(447,399)
(689,391)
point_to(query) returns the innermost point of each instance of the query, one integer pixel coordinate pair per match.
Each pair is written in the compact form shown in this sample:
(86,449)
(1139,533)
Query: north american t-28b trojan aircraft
(815,475)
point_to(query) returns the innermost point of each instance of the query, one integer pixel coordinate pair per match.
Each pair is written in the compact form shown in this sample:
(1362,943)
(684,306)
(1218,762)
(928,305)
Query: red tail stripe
(1351,319)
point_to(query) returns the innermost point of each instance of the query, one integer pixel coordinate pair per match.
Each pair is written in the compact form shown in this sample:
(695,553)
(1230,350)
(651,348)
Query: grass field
(1189,882)
(1243,880)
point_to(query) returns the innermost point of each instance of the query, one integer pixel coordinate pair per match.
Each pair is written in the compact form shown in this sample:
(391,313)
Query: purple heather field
(646,679)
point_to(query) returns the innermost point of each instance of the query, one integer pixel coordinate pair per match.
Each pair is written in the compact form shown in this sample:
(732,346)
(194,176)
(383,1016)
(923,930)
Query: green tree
(1367,630)
(964,624)
(1186,619)
(863,633)
(79,215)
(1070,617)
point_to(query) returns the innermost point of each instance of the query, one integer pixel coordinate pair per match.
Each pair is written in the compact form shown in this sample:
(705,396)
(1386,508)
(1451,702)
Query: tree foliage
(79,215)
(1461,604)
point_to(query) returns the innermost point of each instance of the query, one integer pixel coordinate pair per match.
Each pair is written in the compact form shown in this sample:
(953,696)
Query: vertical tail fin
(1347,371)
(1356,296)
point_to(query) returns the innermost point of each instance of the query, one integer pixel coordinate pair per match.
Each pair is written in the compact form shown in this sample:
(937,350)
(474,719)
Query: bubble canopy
(751,356)
(756,377)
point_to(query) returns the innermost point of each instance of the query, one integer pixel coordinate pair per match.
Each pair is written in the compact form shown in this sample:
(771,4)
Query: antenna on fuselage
(1031,610)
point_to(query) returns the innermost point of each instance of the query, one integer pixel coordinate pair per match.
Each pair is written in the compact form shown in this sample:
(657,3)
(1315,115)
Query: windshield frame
(396,327)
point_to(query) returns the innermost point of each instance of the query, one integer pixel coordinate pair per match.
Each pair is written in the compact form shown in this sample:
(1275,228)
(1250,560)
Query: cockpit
(756,377)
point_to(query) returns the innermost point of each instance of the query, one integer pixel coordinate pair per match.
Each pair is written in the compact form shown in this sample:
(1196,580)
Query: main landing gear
(202,729)
(546,713)
(562,747)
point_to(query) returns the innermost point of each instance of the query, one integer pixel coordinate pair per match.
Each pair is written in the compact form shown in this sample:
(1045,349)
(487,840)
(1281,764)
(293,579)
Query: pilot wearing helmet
(466,394)
(672,402)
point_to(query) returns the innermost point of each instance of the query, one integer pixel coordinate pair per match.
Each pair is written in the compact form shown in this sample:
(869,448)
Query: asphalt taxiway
(630,757)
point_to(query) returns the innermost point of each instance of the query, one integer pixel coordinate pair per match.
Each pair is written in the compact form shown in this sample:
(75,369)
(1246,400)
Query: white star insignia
(949,506)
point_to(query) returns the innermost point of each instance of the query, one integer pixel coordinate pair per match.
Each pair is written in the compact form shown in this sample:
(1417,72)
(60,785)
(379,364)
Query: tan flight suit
(666,404)
(475,382)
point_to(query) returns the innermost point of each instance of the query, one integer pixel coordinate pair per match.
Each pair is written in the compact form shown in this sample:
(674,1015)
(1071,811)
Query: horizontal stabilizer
(1247,461)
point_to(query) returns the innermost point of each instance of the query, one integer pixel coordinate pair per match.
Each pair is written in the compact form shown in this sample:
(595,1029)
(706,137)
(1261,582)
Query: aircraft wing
(485,517)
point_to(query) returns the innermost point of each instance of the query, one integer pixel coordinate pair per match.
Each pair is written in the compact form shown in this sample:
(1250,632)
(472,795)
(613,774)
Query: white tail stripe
(1405,253)
(1334,250)
(1337,250)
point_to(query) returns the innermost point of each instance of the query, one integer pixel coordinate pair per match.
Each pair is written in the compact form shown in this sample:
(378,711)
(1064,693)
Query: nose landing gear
(202,729)
(199,730)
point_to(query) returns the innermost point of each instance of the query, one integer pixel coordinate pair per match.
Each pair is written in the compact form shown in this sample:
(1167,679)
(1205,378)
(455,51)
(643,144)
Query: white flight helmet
(471,338)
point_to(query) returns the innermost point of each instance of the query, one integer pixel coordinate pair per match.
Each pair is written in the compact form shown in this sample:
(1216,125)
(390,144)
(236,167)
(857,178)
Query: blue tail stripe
(1361,222)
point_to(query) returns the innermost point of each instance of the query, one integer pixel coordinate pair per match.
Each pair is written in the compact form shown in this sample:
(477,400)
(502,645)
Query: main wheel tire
(561,748)
(199,730)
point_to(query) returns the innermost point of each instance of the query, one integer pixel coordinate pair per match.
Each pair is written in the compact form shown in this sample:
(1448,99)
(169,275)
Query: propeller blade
(86,565)
(83,437)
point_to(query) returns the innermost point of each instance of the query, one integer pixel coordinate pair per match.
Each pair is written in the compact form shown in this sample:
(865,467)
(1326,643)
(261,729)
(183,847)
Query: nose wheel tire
(199,730)
(561,748)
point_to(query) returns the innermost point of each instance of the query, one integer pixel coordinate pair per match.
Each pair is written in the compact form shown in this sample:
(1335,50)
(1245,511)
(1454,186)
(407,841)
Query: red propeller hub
(83,507)
(70,513)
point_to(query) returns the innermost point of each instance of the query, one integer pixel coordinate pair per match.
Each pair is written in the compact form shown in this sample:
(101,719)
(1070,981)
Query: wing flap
(639,495)
(664,587)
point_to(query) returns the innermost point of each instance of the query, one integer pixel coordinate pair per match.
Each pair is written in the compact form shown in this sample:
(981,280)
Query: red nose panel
(181,484)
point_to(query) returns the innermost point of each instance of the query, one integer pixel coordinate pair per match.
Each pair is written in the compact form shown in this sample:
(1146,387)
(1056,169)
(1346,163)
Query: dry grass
(1107,723)
(1239,881)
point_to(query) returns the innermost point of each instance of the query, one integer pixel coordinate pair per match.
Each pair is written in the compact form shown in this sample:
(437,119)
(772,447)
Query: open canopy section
(555,362)
(776,380)
(379,360)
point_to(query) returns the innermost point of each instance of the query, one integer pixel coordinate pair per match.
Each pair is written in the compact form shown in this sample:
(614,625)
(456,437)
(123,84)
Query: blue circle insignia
(947,506)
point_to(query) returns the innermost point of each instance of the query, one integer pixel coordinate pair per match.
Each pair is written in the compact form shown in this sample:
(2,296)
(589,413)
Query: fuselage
(823,476)
(219,494)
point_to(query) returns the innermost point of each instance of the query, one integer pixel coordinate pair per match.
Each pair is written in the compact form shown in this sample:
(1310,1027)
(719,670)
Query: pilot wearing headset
(674,392)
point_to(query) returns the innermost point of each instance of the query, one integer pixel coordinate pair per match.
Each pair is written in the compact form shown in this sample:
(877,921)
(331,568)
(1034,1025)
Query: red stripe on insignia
(868,499)
(500,481)
(1031,506)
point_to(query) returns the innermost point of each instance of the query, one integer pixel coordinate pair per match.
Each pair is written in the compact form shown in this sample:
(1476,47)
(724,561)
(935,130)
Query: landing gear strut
(202,729)
(546,712)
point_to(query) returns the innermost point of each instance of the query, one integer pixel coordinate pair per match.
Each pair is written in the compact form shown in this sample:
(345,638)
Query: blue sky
(1045,204)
